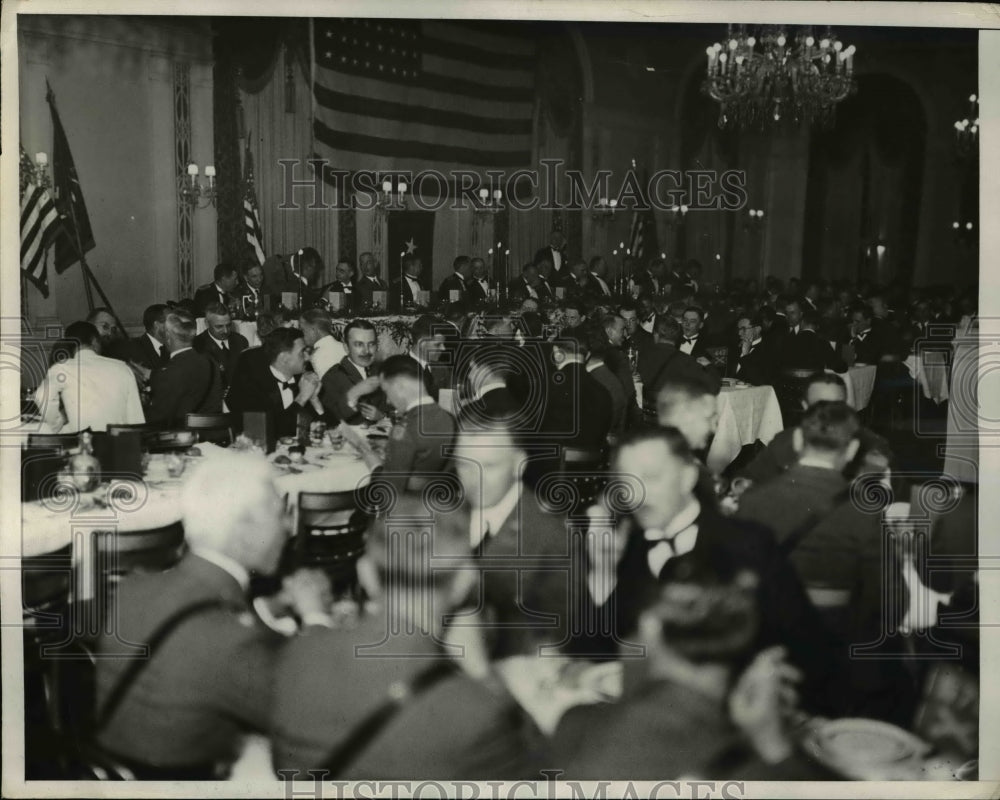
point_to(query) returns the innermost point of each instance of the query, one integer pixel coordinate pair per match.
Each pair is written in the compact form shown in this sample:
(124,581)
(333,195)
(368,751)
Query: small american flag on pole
(39,224)
(251,216)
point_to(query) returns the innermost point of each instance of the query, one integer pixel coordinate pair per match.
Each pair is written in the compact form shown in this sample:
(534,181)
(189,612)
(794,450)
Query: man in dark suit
(457,281)
(219,342)
(225,281)
(578,410)
(343,283)
(520,547)
(650,280)
(527,284)
(693,341)
(836,548)
(210,679)
(479,284)
(300,273)
(369,281)
(150,350)
(870,342)
(404,291)
(873,456)
(636,337)
(423,435)
(599,276)
(554,253)
(280,387)
(663,361)
(617,361)
(250,289)
(668,536)
(427,343)
(189,384)
(351,390)
(578,284)
(806,349)
(449,725)
(757,361)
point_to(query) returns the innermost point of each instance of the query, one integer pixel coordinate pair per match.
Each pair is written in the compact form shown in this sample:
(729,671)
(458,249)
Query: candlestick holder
(195,193)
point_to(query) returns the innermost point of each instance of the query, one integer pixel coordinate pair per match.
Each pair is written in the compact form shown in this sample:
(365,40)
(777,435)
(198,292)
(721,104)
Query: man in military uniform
(420,440)
(186,667)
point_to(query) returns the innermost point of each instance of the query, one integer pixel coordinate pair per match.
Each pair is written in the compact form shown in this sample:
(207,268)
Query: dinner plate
(863,748)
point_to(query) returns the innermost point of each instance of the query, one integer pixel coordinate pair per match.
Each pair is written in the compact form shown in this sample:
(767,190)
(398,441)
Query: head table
(388,329)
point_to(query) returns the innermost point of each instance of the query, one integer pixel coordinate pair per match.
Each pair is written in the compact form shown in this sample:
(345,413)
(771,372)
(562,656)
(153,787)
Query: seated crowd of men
(730,598)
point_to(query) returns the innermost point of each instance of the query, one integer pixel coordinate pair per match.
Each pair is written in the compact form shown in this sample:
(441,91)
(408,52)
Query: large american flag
(39,224)
(415,95)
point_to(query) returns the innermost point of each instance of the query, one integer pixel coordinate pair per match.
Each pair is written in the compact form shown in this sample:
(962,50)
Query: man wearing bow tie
(666,535)
(405,291)
(457,281)
(369,281)
(479,284)
(226,278)
(553,253)
(693,341)
(278,384)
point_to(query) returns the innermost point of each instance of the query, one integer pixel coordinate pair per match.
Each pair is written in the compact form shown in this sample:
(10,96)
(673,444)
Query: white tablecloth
(745,415)
(859,381)
(929,368)
(49,526)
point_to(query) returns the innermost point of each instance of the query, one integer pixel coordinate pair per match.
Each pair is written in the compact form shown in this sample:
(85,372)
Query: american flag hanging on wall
(39,224)
(416,95)
(251,215)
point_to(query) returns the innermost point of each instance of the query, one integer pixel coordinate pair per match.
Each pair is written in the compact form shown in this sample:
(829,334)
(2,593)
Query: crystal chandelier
(773,78)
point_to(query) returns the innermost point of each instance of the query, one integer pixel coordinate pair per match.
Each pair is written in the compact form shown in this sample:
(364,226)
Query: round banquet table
(125,506)
(746,414)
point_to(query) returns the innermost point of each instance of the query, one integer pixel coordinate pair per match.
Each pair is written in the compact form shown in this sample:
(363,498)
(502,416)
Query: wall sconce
(755,220)
(389,200)
(675,219)
(967,131)
(489,204)
(193,191)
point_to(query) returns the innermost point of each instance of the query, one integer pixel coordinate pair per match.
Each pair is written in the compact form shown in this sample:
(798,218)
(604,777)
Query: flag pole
(90,281)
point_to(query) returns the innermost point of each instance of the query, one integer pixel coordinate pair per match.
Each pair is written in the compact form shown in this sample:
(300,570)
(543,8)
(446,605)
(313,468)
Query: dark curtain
(864,185)
(247,53)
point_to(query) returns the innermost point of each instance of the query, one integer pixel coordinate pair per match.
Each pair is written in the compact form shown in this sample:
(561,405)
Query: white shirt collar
(494,517)
(219,289)
(594,363)
(756,341)
(423,364)
(218,341)
(683,532)
(178,352)
(411,279)
(224,562)
(279,375)
(359,368)
(157,344)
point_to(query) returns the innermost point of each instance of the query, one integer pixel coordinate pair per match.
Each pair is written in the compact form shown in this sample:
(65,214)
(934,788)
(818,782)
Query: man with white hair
(185,665)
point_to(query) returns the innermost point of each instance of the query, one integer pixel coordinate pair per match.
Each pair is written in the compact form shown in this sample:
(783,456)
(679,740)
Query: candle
(210,171)
(41,159)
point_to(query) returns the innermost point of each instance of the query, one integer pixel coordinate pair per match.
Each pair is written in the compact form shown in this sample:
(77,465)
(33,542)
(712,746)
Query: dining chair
(214,428)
